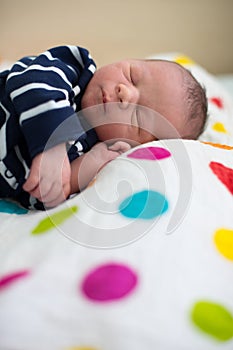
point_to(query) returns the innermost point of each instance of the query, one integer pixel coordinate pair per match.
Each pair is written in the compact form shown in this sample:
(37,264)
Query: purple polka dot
(109,282)
(10,278)
(150,153)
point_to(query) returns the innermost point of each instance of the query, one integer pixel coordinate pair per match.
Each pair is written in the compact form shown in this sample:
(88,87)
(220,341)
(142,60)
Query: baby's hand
(105,153)
(85,167)
(49,178)
(102,154)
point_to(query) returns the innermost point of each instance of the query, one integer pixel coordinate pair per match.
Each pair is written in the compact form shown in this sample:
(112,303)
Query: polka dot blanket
(142,259)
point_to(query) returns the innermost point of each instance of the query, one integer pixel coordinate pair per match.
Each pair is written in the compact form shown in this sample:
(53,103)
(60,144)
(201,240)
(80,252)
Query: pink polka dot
(109,282)
(11,278)
(150,153)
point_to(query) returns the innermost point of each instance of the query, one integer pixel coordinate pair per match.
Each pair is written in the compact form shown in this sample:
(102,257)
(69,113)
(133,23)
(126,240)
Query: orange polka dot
(91,183)
(218,145)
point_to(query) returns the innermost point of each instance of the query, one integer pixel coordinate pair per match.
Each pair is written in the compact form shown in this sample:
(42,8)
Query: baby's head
(176,104)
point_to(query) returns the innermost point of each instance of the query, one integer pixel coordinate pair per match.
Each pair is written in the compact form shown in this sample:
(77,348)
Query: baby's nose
(125,95)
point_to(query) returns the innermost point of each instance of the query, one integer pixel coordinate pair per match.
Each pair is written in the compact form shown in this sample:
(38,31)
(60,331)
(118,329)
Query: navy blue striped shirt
(39,99)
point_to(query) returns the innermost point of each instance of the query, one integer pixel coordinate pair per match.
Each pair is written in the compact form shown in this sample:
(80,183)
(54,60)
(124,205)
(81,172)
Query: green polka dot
(54,220)
(213,319)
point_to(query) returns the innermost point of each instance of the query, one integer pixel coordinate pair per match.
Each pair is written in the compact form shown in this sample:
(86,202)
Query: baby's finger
(120,146)
(31,183)
(42,191)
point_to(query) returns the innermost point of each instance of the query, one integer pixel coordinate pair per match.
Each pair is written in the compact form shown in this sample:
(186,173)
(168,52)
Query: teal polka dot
(144,205)
(11,208)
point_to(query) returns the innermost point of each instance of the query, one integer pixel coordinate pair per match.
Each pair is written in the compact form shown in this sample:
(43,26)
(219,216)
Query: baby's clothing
(39,98)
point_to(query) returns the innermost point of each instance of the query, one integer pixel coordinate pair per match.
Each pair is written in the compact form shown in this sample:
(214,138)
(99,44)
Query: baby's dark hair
(197,105)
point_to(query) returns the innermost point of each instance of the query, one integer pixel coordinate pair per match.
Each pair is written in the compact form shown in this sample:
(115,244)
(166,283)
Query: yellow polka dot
(184,60)
(223,239)
(81,348)
(219,127)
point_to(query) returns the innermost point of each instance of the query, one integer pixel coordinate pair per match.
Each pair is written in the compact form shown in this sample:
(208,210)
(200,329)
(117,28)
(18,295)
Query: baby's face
(120,90)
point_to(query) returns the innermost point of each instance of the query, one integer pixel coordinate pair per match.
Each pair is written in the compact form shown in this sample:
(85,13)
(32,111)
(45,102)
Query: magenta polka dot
(11,278)
(109,282)
(150,153)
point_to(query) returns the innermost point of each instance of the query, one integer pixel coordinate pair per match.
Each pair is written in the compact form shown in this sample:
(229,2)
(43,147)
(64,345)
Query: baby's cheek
(109,132)
(146,136)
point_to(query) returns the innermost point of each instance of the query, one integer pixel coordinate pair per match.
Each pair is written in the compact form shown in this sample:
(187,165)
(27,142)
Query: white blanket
(90,274)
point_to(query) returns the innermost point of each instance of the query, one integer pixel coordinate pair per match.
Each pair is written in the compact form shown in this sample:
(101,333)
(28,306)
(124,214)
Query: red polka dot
(150,153)
(224,174)
(217,101)
(11,278)
(109,282)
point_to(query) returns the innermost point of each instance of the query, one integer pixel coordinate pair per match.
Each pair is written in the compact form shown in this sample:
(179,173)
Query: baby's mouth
(105,100)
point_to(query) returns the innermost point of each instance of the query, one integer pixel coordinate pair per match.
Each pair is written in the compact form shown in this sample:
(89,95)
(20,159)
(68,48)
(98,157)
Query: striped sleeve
(43,89)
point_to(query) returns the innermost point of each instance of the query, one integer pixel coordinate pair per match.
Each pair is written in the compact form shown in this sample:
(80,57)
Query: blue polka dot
(11,208)
(144,205)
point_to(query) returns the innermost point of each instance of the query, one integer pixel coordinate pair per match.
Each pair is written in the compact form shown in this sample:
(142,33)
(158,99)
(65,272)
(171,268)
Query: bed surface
(227,81)
(142,259)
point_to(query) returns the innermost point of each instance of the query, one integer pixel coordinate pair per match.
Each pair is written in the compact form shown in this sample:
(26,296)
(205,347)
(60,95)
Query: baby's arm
(52,178)
(84,168)
(49,177)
